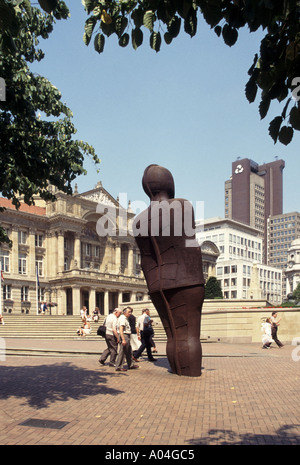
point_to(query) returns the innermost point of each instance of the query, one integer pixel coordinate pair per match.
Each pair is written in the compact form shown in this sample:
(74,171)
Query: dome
(295,244)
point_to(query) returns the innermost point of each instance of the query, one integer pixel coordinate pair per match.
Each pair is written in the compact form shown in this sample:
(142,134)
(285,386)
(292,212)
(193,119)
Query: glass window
(22,263)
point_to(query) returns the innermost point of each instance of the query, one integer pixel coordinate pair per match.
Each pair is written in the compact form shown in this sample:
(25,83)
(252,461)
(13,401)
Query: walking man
(125,351)
(111,338)
(275,320)
(145,332)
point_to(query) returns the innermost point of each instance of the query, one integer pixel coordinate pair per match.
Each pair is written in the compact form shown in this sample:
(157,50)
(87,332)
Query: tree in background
(296,294)
(275,70)
(35,151)
(213,289)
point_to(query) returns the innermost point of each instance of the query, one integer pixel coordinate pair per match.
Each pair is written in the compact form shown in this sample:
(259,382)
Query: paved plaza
(246,395)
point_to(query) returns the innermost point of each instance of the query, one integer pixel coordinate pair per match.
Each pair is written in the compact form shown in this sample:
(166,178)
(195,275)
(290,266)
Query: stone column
(51,248)
(117,258)
(62,305)
(31,254)
(61,302)
(106,302)
(130,260)
(76,300)
(60,251)
(92,301)
(14,263)
(120,293)
(77,251)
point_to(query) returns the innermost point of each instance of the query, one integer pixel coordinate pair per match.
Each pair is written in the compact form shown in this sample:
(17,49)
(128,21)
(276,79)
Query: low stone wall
(237,321)
(244,325)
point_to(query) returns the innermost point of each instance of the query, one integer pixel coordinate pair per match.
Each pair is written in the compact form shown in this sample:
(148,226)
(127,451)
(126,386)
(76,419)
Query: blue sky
(183,108)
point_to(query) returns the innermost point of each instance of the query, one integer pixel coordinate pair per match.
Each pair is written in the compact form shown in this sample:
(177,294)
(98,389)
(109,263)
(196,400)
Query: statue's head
(157,179)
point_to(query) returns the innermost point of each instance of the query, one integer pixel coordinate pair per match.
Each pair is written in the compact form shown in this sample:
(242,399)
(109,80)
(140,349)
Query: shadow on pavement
(45,384)
(286,435)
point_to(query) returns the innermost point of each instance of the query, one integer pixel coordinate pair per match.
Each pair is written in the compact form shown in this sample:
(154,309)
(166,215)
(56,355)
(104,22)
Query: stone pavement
(246,395)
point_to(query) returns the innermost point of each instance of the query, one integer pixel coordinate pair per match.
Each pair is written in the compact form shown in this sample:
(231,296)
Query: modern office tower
(282,230)
(253,193)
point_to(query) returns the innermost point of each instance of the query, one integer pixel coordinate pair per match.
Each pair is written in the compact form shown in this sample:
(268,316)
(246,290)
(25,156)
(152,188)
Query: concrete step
(54,327)
(62,327)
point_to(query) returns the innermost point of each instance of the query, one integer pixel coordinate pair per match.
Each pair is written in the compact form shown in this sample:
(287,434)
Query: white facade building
(239,266)
(292,271)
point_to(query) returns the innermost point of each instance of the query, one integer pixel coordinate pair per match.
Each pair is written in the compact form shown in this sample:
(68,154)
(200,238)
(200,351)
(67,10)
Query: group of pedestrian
(85,328)
(43,308)
(126,339)
(269,329)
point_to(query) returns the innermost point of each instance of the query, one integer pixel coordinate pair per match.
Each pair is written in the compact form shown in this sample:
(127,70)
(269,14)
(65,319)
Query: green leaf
(137,15)
(251,90)
(155,41)
(274,128)
(120,25)
(89,26)
(136,37)
(264,106)
(285,135)
(99,43)
(148,20)
(124,40)
(174,26)
(218,30)
(108,29)
(190,23)
(230,35)
(212,12)
(168,38)
(86,38)
(88,5)
(283,114)
(48,5)
(295,118)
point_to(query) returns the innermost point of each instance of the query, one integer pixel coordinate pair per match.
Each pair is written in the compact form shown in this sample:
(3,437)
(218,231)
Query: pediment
(100,195)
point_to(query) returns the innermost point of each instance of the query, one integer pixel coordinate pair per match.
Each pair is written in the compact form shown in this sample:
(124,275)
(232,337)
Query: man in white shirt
(111,338)
(125,351)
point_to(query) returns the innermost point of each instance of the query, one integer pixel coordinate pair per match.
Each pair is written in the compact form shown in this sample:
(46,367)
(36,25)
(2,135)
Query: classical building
(77,251)
(73,252)
(282,231)
(253,193)
(210,254)
(292,272)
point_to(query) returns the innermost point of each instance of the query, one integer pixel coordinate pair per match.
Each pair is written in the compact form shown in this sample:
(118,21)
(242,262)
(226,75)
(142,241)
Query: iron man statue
(172,265)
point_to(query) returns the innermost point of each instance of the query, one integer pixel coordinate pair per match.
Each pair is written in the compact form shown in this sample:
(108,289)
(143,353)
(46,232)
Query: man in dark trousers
(144,331)
(274,328)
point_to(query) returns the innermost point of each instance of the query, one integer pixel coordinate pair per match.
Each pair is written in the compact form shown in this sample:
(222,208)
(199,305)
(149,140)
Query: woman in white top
(267,336)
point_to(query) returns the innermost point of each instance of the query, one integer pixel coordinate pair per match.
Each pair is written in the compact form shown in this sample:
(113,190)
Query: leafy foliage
(34,152)
(213,289)
(275,69)
(296,294)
